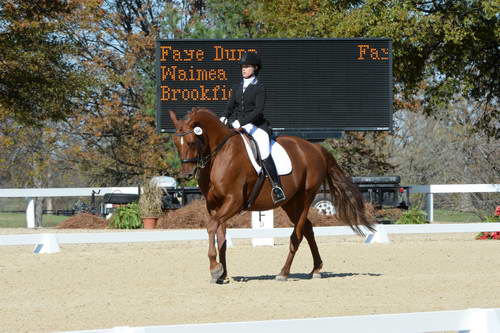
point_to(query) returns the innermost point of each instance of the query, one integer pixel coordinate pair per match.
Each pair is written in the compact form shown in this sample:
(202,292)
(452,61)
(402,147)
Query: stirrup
(278,194)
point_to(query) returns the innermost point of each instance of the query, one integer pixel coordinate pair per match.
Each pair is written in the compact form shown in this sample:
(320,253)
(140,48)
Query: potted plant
(126,217)
(150,204)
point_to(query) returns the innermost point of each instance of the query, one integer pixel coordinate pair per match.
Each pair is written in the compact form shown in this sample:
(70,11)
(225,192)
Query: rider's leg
(262,139)
(277,192)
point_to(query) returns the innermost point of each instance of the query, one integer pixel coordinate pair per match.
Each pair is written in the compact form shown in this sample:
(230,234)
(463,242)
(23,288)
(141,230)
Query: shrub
(126,217)
(412,216)
(494,219)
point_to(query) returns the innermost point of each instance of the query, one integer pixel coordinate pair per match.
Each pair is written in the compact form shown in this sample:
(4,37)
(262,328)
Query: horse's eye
(190,144)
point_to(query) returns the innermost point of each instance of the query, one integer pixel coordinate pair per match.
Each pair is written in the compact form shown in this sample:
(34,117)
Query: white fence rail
(47,243)
(31,193)
(63,192)
(430,190)
(471,320)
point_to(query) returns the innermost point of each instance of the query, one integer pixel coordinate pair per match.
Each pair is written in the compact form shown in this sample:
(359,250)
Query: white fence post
(430,207)
(30,213)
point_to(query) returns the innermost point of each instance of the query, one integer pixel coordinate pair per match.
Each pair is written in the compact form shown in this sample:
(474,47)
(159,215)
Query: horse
(215,155)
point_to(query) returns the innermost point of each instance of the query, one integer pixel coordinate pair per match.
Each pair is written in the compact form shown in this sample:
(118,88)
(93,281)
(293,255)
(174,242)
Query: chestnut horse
(217,157)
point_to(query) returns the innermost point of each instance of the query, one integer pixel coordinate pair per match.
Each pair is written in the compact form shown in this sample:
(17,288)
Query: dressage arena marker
(48,244)
(380,235)
(201,234)
(263,220)
(471,321)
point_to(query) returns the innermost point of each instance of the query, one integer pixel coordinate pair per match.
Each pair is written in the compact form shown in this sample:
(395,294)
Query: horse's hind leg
(222,246)
(317,262)
(296,209)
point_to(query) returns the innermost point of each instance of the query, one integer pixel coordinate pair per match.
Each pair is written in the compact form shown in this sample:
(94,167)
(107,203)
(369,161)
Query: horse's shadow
(301,276)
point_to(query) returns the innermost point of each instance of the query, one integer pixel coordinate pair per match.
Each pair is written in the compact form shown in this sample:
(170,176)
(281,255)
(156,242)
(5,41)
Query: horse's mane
(200,113)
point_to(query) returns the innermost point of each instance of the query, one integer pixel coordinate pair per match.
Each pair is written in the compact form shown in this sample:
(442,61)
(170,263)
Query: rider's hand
(236,124)
(223,120)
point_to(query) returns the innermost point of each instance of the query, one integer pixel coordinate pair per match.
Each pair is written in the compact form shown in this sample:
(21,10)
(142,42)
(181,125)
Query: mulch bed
(194,216)
(83,221)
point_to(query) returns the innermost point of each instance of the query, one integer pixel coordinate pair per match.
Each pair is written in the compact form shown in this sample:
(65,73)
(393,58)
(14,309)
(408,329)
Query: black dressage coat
(248,107)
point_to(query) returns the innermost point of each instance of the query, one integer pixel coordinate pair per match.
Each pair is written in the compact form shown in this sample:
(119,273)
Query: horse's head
(192,138)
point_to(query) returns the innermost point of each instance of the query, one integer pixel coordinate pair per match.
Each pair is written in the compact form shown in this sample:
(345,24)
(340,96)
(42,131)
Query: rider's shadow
(301,276)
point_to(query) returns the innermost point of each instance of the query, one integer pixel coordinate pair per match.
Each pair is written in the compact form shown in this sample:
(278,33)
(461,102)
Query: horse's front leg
(216,224)
(216,269)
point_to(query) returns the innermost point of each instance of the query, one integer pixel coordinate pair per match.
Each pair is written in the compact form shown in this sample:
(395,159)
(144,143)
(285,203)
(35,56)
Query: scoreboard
(314,87)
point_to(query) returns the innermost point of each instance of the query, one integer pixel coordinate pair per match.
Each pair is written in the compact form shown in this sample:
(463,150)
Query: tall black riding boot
(277,192)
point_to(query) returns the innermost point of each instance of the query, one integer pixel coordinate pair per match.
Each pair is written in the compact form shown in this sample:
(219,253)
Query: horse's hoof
(217,273)
(317,276)
(219,281)
(281,278)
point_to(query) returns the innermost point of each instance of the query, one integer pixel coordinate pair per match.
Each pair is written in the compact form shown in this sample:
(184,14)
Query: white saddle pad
(279,154)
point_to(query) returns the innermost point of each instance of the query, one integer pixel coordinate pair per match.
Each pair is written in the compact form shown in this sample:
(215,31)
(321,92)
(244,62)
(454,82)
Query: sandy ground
(106,285)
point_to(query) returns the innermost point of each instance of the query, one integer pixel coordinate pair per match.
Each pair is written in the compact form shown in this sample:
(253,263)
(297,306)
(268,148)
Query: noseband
(202,160)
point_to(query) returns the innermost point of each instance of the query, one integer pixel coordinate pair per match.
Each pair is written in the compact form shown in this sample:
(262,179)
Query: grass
(441,215)
(18,220)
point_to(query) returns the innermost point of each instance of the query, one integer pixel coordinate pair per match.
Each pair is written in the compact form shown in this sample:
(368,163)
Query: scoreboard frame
(189,68)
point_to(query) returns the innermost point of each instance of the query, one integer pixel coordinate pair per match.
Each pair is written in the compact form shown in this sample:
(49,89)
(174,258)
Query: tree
(362,153)
(113,139)
(442,49)
(39,79)
(442,151)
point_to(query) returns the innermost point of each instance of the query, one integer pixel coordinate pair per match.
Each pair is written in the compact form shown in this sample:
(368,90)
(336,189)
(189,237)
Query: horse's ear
(173,116)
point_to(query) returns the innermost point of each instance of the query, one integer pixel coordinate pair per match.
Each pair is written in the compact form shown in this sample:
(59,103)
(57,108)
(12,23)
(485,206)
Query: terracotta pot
(149,222)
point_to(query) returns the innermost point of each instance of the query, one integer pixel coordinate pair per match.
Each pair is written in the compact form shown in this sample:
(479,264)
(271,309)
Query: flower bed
(491,235)
(488,235)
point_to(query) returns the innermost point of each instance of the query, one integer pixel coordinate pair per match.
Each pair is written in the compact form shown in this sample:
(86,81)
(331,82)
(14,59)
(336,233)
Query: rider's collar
(254,81)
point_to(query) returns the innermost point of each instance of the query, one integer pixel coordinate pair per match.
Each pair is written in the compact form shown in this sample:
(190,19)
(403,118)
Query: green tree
(39,79)
(442,49)
(113,140)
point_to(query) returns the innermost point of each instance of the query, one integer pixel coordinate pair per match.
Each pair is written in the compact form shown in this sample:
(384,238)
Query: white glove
(236,124)
(223,120)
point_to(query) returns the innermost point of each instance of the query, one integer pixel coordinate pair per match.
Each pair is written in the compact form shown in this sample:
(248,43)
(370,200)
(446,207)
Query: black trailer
(380,191)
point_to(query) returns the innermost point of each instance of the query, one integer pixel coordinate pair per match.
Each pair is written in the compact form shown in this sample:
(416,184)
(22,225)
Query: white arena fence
(49,243)
(471,320)
(31,193)
(430,190)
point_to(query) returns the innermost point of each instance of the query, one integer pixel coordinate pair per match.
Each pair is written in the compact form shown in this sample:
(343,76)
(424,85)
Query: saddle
(253,146)
(262,176)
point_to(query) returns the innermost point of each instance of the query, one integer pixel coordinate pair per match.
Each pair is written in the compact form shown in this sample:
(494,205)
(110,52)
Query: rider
(246,109)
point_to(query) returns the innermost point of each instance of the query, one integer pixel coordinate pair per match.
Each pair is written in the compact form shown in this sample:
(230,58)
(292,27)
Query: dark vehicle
(173,198)
(381,192)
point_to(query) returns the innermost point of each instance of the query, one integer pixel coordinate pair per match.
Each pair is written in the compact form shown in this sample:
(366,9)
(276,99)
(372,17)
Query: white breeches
(261,137)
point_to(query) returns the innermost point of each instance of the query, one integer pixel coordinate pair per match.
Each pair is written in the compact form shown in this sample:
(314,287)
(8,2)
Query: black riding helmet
(251,58)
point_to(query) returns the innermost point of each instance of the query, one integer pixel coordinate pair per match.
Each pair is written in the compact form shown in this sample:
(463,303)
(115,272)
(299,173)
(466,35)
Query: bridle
(202,160)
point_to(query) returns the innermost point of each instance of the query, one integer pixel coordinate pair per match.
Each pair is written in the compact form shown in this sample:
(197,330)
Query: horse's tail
(346,197)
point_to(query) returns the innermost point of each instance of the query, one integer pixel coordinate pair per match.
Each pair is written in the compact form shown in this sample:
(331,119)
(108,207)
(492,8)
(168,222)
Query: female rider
(246,109)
